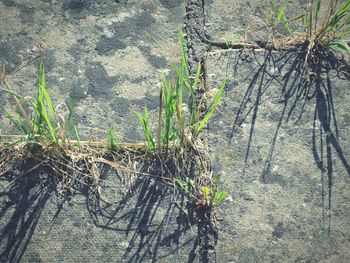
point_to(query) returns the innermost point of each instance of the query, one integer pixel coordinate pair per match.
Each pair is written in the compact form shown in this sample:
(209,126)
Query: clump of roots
(81,168)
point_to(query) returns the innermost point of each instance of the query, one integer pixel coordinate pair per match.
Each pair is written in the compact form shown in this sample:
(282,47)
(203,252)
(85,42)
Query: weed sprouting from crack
(174,157)
(175,154)
(315,35)
(319,34)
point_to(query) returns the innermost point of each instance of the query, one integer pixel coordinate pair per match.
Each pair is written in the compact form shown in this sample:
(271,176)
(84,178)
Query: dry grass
(76,167)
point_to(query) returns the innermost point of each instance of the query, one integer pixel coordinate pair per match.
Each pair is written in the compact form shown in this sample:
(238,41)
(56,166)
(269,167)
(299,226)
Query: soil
(281,145)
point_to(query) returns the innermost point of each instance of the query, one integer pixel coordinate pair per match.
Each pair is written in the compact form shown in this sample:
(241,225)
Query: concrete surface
(270,141)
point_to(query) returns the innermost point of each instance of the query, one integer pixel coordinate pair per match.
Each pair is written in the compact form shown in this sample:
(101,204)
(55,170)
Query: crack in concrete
(197,48)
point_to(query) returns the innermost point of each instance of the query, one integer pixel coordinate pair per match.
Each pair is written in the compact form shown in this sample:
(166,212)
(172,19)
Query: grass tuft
(47,139)
(174,125)
(331,31)
(40,121)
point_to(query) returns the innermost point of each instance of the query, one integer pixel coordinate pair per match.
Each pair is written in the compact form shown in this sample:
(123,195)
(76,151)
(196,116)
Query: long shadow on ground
(22,203)
(153,218)
(151,215)
(296,94)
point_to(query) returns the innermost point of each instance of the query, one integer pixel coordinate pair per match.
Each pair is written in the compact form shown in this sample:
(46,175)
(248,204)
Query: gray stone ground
(269,142)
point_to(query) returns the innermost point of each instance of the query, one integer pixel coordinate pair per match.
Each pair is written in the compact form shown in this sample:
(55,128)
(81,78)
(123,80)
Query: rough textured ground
(269,142)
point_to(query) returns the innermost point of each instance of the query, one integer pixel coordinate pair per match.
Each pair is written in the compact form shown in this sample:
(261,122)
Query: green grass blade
(77,135)
(184,62)
(45,94)
(17,121)
(341,12)
(12,93)
(211,110)
(111,138)
(187,187)
(280,15)
(343,33)
(317,11)
(340,46)
(71,122)
(219,197)
(196,79)
(44,119)
(167,110)
(318,6)
(192,88)
(147,130)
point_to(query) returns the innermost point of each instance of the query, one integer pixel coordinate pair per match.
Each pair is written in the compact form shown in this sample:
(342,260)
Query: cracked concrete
(270,141)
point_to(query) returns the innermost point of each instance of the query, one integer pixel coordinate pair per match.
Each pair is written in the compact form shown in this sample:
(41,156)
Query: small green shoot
(203,195)
(280,17)
(198,128)
(187,186)
(111,139)
(218,195)
(147,131)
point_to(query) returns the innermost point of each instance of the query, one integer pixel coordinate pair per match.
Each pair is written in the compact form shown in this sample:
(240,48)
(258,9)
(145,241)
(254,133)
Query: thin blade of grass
(193,110)
(71,122)
(183,53)
(317,11)
(77,135)
(280,15)
(340,46)
(12,93)
(219,197)
(43,116)
(343,33)
(111,138)
(17,121)
(212,108)
(159,132)
(147,130)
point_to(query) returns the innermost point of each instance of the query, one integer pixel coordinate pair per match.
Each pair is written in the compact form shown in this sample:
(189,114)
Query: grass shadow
(296,96)
(150,214)
(325,137)
(22,203)
(142,205)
